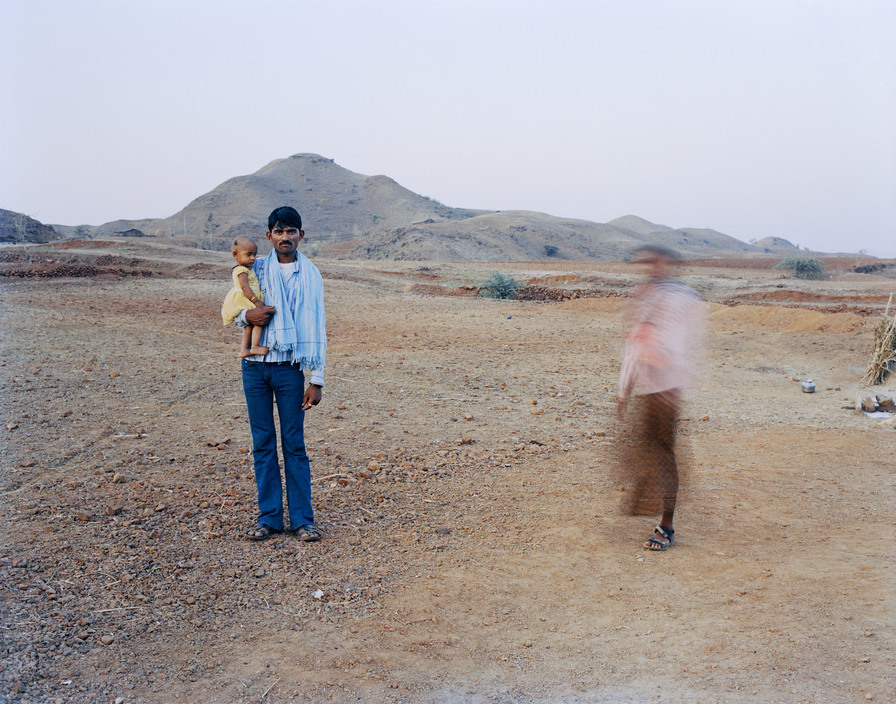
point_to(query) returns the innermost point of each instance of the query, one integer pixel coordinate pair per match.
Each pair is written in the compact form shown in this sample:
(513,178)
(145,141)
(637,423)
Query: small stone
(27,463)
(259,572)
(12,425)
(468,417)
(704,418)
(83,516)
(113,510)
(113,374)
(107,640)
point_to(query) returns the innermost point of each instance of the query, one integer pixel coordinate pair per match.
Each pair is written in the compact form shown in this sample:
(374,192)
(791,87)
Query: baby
(245,294)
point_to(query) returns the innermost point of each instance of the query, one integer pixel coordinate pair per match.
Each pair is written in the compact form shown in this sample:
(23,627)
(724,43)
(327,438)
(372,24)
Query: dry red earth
(463,476)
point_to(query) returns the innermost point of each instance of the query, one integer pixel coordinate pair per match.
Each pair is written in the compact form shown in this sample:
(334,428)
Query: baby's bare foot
(258,349)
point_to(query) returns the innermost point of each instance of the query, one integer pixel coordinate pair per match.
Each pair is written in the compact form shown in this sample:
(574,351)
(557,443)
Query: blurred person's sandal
(661,542)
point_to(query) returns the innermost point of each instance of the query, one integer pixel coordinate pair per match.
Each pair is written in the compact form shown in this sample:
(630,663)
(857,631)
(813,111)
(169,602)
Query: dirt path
(474,550)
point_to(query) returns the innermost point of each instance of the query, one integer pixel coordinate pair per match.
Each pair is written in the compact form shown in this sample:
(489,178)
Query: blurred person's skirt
(650,471)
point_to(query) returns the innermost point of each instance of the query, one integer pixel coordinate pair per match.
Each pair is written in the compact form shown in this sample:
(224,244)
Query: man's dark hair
(657,249)
(285,216)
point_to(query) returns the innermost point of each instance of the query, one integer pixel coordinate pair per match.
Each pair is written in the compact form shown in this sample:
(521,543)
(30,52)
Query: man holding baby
(295,334)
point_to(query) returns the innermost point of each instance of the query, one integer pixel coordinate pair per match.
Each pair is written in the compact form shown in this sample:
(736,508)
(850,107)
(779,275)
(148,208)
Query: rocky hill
(336,204)
(18,227)
(524,236)
(351,215)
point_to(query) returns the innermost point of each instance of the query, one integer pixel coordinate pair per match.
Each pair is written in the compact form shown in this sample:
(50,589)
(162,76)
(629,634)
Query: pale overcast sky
(752,117)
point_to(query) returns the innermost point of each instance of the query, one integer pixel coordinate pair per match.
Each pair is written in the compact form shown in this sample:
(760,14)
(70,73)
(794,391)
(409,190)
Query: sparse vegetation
(550,250)
(500,285)
(802,268)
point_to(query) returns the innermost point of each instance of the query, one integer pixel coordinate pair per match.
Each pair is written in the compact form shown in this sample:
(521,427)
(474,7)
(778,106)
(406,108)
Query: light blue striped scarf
(302,327)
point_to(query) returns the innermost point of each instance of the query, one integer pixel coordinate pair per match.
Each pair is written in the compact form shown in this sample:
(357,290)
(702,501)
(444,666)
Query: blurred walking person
(664,329)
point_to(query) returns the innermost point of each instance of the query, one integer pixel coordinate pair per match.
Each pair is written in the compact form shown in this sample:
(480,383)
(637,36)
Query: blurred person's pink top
(666,323)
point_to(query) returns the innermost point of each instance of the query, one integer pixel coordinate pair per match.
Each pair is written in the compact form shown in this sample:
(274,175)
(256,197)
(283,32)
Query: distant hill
(770,243)
(18,227)
(336,205)
(349,215)
(518,235)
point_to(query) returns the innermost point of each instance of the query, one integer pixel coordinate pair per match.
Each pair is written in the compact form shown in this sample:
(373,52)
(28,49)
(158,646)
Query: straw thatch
(883,356)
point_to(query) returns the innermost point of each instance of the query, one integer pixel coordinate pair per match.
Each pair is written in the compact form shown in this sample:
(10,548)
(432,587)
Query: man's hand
(621,403)
(259,315)
(313,395)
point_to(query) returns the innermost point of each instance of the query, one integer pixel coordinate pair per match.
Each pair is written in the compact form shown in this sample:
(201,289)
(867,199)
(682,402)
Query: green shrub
(499,285)
(802,268)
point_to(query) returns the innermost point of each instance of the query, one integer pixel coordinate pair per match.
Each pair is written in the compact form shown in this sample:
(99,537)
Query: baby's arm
(243,278)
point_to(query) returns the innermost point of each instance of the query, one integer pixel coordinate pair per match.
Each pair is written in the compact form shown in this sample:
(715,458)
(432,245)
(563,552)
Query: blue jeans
(262,381)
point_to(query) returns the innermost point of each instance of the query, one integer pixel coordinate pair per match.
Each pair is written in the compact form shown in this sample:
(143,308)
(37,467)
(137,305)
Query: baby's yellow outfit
(235,300)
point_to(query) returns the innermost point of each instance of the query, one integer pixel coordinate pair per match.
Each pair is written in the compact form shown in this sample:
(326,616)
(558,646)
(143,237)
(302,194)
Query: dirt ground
(463,474)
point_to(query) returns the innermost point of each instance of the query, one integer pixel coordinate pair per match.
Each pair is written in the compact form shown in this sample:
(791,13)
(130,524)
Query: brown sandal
(260,532)
(307,533)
